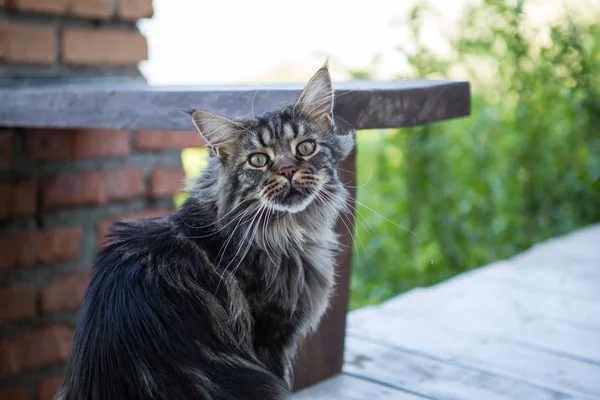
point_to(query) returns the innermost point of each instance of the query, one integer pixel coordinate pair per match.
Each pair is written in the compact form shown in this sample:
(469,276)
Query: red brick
(74,189)
(91,8)
(29,247)
(18,199)
(5,194)
(46,346)
(35,247)
(49,144)
(6,141)
(106,223)
(165,182)
(84,8)
(67,144)
(7,249)
(93,143)
(27,43)
(18,302)
(64,294)
(47,388)
(134,9)
(14,393)
(23,198)
(161,140)
(61,244)
(91,187)
(43,6)
(103,47)
(125,183)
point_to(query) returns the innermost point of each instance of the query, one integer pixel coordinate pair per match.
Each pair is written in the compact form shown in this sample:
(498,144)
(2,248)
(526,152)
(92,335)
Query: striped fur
(212,301)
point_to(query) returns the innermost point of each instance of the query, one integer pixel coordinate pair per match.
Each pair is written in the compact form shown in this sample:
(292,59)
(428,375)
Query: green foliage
(523,168)
(194,161)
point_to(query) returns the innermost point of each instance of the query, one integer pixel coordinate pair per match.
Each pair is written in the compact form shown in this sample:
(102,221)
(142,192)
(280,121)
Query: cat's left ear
(316,100)
(216,130)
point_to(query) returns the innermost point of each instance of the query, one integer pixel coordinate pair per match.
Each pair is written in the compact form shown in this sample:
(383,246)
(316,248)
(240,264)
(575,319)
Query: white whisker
(242,214)
(242,241)
(347,170)
(265,242)
(350,209)
(364,184)
(224,247)
(381,216)
(250,240)
(326,201)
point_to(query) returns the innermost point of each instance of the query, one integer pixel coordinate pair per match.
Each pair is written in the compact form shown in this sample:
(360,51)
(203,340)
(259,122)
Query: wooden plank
(322,355)
(428,376)
(581,245)
(487,334)
(474,289)
(105,104)
(556,274)
(344,387)
(489,311)
(464,347)
(561,277)
(534,318)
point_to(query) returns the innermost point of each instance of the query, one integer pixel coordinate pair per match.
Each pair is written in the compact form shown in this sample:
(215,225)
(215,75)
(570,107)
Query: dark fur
(212,301)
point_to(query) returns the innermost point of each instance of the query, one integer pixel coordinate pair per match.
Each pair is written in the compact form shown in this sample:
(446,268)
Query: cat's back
(148,241)
(131,312)
(152,323)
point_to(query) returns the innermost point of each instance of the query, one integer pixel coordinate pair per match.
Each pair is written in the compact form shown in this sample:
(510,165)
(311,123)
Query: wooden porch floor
(526,328)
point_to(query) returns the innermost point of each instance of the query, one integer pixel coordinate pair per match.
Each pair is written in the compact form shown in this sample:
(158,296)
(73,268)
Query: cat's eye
(258,160)
(306,148)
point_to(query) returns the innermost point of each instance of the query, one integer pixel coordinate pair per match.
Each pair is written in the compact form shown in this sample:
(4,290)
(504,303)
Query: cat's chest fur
(287,294)
(299,282)
(291,269)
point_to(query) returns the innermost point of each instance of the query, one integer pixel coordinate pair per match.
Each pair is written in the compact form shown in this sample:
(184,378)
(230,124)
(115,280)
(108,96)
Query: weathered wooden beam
(124,105)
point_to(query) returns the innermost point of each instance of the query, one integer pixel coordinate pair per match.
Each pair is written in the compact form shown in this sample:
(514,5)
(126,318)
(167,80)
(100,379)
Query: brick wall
(59,192)
(70,38)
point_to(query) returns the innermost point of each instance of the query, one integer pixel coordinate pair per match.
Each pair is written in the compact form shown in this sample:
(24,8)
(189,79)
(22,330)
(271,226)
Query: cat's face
(285,159)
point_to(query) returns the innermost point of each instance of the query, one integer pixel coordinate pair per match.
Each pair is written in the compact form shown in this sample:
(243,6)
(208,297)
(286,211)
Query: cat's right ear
(316,100)
(217,131)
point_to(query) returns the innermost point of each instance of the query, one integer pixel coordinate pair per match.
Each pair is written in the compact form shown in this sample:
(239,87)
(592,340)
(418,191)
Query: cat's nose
(288,171)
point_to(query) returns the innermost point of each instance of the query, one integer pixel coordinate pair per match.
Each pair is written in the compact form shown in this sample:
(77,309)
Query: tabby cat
(212,301)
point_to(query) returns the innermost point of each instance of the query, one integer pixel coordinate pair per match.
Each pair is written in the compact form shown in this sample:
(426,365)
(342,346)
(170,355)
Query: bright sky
(228,41)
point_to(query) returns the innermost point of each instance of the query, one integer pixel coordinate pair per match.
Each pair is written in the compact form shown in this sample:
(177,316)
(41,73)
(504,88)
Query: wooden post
(322,355)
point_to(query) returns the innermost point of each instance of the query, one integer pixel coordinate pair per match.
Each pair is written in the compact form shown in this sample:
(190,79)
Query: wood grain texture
(345,387)
(481,351)
(428,376)
(525,328)
(101,103)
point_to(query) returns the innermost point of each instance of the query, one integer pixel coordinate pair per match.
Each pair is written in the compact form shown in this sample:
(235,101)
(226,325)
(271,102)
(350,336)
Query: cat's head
(284,160)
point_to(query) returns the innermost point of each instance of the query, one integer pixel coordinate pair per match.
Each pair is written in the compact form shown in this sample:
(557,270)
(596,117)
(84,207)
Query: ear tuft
(316,100)
(188,111)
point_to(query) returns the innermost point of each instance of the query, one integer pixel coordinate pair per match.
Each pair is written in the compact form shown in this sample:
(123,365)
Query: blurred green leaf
(523,168)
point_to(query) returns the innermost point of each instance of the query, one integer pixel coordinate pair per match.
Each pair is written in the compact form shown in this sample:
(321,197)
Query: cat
(212,301)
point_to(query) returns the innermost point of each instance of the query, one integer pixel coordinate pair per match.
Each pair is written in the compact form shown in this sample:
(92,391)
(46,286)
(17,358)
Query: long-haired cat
(212,301)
